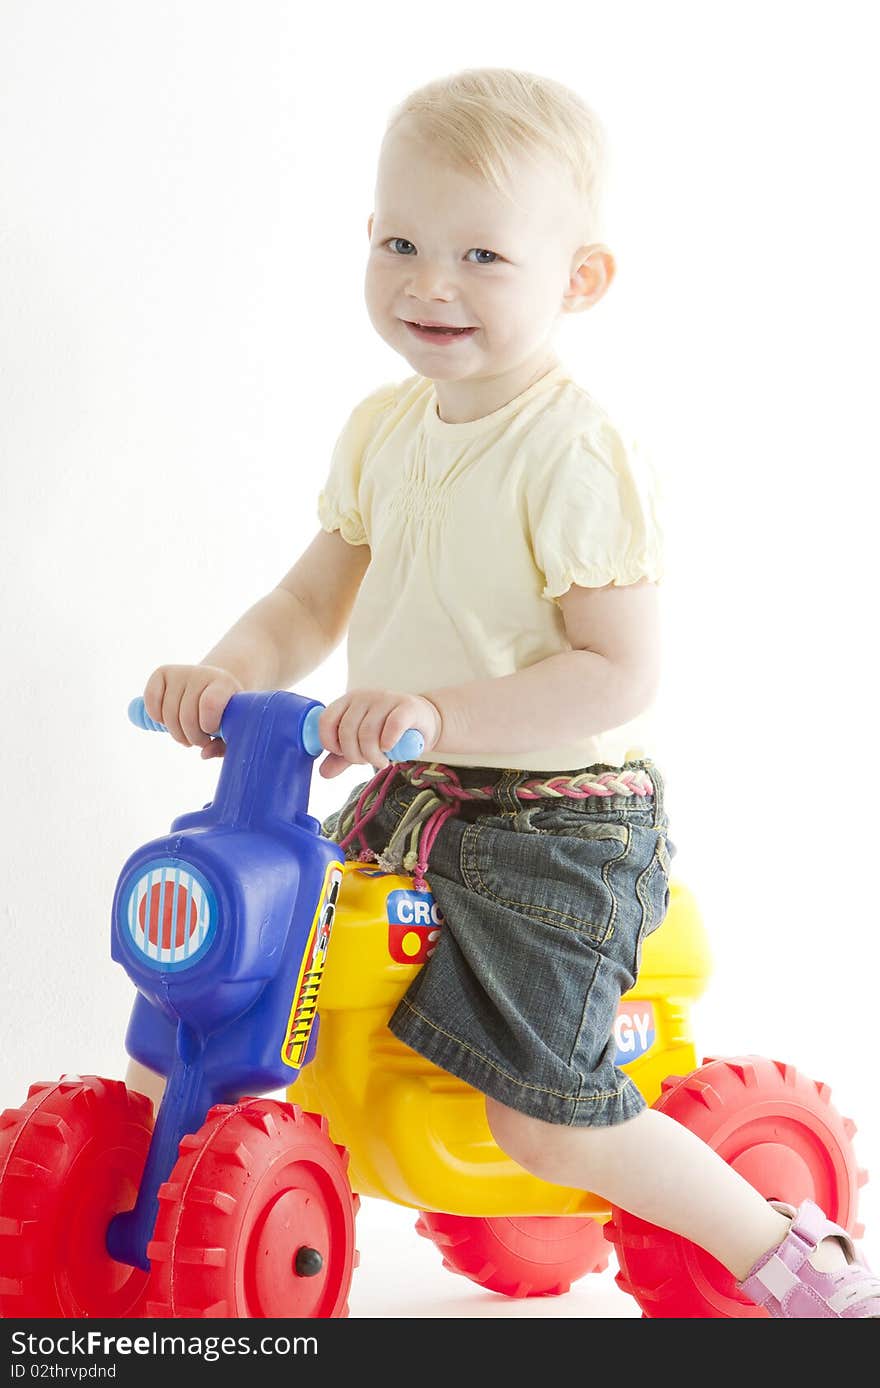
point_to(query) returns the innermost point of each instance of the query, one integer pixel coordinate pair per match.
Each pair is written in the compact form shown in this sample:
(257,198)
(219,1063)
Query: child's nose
(430,280)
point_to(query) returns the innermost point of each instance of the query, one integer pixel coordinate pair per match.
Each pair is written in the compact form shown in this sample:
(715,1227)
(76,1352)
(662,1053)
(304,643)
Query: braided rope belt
(441,797)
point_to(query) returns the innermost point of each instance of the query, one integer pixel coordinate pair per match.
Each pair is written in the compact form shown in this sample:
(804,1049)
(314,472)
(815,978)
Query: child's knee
(531,1142)
(556,1152)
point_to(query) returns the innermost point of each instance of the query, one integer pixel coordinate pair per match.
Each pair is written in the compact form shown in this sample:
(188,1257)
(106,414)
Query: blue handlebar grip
(408,747)
(137,712)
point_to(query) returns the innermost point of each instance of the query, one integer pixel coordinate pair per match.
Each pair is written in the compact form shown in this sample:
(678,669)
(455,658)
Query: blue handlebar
(137,713)
(408,747)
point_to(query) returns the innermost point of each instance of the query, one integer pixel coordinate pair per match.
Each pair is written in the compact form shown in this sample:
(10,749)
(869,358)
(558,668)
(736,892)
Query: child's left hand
(357,727)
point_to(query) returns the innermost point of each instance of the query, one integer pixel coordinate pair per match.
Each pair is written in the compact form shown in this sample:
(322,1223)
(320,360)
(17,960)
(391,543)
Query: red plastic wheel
(779,1130)
(70,1159)
(533,1255)
(256,1219)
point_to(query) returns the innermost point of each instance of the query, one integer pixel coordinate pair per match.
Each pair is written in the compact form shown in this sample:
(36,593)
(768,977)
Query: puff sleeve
(338,501)
(594,515)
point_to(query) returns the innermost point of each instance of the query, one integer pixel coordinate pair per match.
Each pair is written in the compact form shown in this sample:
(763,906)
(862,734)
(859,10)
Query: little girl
(494,551)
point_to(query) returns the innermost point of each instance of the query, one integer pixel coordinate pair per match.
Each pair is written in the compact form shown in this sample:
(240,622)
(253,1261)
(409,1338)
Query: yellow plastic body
(417,1135)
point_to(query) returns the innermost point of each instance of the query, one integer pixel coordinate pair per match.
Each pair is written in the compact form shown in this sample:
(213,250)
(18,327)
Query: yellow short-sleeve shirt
(475,529)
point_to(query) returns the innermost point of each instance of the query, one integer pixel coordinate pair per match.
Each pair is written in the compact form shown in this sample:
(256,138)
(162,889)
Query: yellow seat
(417,1135)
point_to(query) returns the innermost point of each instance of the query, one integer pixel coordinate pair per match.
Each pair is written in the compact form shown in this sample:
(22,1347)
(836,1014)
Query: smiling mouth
(438,329)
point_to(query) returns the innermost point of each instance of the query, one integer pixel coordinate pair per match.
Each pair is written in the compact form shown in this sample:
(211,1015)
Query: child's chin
(437,370)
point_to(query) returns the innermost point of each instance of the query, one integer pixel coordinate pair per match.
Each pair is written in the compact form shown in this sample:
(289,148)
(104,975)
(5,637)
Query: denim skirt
(546,905)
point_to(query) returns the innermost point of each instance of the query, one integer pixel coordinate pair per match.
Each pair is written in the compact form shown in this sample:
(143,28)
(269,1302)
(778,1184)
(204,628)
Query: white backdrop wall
(184,190)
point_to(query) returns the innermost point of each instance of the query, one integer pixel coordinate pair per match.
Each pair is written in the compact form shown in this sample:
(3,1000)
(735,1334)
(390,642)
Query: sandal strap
(810,1224)
(773,1278)
(777,1273)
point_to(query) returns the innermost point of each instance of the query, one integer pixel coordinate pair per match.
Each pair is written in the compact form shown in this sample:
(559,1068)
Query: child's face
(446,247)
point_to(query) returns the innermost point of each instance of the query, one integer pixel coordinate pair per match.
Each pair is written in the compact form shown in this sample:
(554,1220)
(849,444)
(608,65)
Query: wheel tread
(198,1256)
(746,1071)
(235,1152)
(670,1082)
(704,1092)
(221,1200)
(27,1168)
(263,1121)
(194,1270)
(54,1126)
(40,1087)
(46,1150)
(506,1256)
(787,1071)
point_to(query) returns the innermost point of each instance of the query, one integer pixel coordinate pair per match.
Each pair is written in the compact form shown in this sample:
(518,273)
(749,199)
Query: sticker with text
(634,1030)
(414,923)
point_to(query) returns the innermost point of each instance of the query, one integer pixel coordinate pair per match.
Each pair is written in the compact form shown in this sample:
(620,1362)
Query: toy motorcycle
(263,960)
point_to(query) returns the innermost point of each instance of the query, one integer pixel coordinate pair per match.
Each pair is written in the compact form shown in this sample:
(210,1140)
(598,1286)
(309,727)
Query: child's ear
(592,270)
(370,226)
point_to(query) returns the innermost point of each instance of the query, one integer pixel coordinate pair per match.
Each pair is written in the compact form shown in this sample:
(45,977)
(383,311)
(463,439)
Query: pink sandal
(786,1283)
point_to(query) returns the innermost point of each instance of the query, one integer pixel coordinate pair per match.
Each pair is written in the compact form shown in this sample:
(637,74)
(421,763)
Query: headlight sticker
(171,914)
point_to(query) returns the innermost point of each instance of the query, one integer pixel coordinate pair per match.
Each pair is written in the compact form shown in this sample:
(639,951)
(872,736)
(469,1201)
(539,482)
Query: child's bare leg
(660,1171)
(144,1081)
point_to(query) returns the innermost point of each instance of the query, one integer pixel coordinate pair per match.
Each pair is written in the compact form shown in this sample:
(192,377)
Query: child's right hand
(189,700)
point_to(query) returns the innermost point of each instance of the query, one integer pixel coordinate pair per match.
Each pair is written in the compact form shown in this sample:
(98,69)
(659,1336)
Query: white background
(184,195)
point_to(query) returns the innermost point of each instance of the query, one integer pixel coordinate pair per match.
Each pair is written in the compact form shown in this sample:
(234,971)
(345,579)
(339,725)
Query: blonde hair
(482,118)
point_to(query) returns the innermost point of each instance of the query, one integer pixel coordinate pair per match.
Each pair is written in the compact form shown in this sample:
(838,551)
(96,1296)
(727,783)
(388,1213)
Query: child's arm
(608,677)
(278,641)
(290,631)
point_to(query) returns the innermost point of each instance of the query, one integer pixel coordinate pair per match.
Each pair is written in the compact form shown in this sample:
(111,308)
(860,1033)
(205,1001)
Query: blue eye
(400,246)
